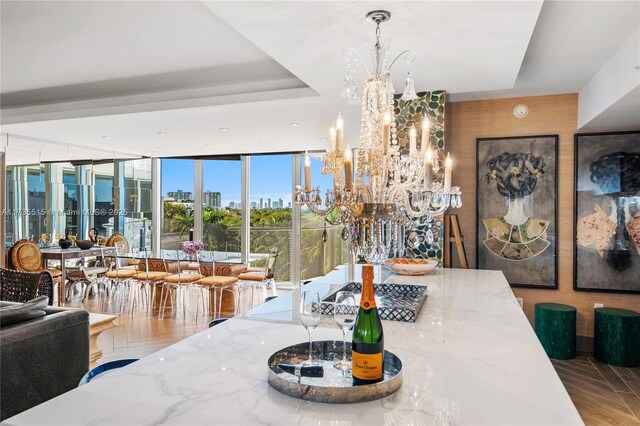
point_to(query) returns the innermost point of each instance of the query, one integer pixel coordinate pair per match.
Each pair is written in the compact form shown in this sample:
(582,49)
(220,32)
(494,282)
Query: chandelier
(381,189)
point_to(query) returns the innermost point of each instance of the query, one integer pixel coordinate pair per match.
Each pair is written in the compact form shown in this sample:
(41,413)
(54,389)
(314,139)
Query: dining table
(471,357)
(63,255)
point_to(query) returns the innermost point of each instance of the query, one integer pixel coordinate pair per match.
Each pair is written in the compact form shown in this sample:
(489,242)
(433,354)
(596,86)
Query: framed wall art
(607,212)
(516,219)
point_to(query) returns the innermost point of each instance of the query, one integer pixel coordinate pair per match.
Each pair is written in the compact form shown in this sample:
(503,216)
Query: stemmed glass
(310,316)
(344,312)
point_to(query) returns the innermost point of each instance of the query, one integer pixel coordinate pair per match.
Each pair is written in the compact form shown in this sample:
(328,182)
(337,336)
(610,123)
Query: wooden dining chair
(25,256)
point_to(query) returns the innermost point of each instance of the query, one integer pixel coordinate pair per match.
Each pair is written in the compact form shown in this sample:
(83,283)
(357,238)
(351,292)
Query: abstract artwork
(607,212)
(516,208)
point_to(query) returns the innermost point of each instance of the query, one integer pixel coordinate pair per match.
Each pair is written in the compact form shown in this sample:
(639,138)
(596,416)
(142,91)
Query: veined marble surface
(471,358)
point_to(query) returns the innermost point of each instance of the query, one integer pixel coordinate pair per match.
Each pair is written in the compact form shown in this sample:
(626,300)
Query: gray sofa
(42,358)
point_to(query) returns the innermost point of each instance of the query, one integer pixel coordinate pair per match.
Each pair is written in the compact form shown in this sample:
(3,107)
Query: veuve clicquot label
(367,366)
(367,347)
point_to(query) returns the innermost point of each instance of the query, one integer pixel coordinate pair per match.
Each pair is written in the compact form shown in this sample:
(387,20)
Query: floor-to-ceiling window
(43,201)
(221,199)
(177,201)
(322,245)
(137,203)
(270,203)
(101,204)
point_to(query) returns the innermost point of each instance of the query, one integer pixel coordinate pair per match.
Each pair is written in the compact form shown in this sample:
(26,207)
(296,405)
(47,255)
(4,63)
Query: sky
(270,177)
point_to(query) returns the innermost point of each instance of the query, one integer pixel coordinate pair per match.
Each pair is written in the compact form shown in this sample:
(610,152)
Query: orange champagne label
(366,366)
(367,300)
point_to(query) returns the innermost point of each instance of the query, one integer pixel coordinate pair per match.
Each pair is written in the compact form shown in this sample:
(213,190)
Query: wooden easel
(451,224)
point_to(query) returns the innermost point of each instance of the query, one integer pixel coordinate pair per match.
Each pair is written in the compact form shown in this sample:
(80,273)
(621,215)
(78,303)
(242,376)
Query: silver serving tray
(336,386)
(395,302)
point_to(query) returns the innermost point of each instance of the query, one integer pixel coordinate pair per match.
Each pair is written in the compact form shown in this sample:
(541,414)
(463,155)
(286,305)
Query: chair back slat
(172,261)
(206,263)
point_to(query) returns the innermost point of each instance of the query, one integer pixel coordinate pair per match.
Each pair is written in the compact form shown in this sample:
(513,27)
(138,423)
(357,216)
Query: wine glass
(344,312)
(310,316)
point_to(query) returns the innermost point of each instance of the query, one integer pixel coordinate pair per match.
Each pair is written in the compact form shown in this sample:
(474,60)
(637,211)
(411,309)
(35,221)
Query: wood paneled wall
(556,114)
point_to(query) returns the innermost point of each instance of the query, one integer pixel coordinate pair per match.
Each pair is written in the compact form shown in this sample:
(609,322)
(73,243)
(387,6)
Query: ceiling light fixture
(262,142)
(106,137)
(294,124)
(224,129)
(161,133)
(380,190)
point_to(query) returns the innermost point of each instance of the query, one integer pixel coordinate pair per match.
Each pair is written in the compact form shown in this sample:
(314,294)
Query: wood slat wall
(556,114)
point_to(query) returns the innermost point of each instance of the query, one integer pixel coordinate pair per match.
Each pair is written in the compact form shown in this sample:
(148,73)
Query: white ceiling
(130,70)
(571,42)
(623,115)
(70,43)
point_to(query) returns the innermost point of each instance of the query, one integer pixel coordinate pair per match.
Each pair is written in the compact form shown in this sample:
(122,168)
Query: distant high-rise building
(180,195)
(280,203)
(268,203)
(261,203)
(212,199)
(289,205)
(254,204)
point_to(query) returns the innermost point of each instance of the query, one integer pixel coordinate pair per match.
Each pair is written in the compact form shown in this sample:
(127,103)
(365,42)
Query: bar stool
(104,368)
(148,278)
(178,281)
(216,285)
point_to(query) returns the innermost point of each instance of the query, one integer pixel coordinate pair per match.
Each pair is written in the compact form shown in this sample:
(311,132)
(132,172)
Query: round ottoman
(555,326)
(616,337)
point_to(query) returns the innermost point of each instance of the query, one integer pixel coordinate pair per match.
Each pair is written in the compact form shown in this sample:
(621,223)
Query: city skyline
(270,178)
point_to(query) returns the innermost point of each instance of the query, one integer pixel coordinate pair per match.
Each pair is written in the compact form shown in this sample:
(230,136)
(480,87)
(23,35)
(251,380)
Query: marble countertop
(471,358)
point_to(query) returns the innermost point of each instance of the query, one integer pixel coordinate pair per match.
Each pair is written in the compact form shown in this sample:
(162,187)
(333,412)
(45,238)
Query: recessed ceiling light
(207,144)
(294,124)
(323,139)
(106,137)
(262,143)
(161,133)
(157,147)
(224,129)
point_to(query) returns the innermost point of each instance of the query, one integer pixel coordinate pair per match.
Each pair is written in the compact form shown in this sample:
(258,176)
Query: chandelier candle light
(380,190)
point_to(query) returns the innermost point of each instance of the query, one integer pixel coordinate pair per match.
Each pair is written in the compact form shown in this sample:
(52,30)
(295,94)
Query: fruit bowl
(410,266)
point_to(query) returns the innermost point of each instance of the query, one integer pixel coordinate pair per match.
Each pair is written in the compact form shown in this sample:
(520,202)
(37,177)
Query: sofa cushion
(34,308)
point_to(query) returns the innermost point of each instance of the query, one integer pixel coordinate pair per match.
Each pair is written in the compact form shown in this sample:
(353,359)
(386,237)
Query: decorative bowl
(410,266)
(84,244)
(64,244)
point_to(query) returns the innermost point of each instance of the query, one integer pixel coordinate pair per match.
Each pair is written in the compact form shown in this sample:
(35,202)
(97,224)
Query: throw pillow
(34,308)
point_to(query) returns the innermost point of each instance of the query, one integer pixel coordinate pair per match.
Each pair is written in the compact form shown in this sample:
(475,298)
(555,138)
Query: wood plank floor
(139,332)
(603,394)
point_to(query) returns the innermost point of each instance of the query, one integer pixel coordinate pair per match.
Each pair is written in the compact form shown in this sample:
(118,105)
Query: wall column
(197,200)
(119,203)
(83,202)
(245,209)
(3,205)
(296,231)
(157,209)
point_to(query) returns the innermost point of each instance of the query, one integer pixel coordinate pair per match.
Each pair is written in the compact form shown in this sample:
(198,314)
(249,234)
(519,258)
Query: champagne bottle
(367,347)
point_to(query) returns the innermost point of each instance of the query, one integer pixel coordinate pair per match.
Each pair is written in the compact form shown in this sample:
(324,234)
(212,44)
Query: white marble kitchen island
(471,358)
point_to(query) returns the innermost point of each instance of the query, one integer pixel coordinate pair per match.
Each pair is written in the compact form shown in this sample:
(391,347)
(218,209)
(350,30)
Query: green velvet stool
(616,337)
(556,329)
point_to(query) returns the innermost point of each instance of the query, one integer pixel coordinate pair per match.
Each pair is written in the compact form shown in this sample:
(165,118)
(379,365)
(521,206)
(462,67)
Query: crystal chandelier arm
(348,51)
(410,59)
